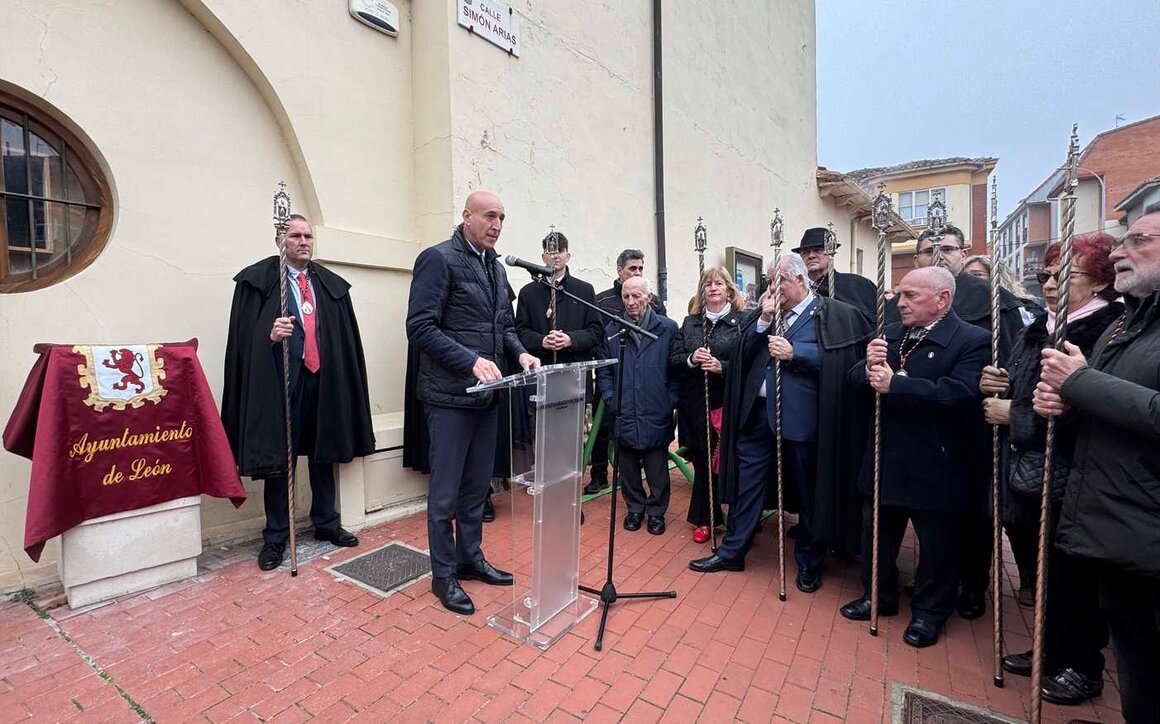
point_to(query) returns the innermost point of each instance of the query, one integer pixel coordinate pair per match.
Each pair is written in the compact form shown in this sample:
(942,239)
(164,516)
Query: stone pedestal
(124,553)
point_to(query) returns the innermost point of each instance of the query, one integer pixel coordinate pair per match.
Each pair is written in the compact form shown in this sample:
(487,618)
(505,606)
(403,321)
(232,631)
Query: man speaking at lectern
(459,318)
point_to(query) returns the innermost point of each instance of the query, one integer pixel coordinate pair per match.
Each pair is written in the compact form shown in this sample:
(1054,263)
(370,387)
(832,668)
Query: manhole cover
(385,569)
(915,706)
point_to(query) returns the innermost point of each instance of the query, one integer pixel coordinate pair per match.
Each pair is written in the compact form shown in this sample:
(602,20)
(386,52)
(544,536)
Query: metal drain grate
(384,570)
(915,706)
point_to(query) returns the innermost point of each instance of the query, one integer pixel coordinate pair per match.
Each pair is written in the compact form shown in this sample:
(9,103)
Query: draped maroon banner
(111,428)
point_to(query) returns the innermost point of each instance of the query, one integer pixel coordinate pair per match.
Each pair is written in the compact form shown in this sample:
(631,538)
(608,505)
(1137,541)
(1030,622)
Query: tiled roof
(862,174)
(1155,180)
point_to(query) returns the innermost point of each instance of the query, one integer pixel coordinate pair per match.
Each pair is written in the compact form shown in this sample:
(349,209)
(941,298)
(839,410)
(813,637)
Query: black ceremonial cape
(843,332)
(253,398)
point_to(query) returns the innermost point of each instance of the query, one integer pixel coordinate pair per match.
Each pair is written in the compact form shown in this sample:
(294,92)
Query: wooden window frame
(93,235)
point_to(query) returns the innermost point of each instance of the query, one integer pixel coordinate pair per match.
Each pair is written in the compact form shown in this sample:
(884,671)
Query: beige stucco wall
(206,104)
(189,120)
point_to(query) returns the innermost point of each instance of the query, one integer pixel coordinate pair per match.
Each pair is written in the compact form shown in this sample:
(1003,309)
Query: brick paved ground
(239,644)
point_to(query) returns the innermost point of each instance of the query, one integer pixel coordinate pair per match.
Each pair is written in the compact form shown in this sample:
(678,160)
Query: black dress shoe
(271,556)
(808,581)
(1018,664)
(337,536)
(714,563)
(486,572)
(972,604)
(921,633)
(595,486)
(632,521)
(859,609)
(656,524)
(488,510)
(452,595)
(1069,687)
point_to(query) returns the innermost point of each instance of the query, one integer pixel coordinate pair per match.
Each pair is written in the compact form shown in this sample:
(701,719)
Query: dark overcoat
(253,408)
(581,323)
(853,289)
(930,452)
(650,391)
(1027,430)
(691,404)
(1111,511)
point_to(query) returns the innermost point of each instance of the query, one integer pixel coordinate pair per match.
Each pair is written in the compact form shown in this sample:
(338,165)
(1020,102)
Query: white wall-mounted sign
(492,21)
(379,14)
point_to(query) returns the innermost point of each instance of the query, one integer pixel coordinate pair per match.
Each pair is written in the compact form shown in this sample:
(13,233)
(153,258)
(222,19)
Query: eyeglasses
(1043,276)
(1133,241)
(944,248)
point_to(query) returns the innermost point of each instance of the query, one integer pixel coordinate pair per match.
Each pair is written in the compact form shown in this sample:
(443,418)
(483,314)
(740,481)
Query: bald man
(927,373)
(651,393)
(459,318)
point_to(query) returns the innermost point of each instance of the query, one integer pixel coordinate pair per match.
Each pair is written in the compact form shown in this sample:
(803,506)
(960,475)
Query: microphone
(533,269)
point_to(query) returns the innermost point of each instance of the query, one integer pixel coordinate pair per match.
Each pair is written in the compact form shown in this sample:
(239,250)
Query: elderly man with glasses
(1111,509)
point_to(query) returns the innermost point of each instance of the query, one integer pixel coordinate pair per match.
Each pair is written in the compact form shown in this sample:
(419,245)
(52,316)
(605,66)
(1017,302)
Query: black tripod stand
(608,593)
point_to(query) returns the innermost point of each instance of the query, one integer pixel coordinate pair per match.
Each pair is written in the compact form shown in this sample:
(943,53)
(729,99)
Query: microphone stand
(608,593)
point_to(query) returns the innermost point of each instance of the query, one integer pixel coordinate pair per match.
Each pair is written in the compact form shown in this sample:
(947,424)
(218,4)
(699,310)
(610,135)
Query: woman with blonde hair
(702,349)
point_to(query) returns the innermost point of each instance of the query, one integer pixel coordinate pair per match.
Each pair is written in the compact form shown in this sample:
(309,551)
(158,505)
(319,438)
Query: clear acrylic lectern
(547,440)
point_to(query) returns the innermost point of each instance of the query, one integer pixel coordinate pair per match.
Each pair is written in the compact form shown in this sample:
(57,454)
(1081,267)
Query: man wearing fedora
(849,288)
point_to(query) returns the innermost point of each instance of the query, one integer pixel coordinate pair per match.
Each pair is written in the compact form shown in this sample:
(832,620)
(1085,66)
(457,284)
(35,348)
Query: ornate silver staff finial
(281,207)
(1073,159)
(776,229)
(994,202)
(937,216)
(553,245)
(831,251)
(882,209)
(700,237)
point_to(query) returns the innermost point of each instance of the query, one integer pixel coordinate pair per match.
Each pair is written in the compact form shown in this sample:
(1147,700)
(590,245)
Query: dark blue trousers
(756,459)
(936,579)
(303,426)
(799,462)
(462,457)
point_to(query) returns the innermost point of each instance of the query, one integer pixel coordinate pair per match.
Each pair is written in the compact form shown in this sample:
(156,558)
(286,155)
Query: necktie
(310,357)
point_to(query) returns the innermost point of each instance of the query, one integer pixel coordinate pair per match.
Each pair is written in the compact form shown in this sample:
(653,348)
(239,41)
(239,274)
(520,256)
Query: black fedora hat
(814,238)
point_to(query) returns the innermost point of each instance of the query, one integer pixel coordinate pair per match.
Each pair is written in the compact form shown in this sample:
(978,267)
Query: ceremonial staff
(776,231)
(281,221)
(937,224)
(831,251)
(996,476)
(552,249)
(700,243)
(1058,337)
(881,224)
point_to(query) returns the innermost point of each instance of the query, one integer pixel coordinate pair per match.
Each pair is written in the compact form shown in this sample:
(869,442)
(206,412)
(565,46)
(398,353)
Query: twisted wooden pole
(1058,337)
(700,243)
(281,221)
(776,229)
(881,224)
(996,474)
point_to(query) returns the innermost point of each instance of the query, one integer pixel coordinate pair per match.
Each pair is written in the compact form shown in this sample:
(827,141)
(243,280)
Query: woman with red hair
(1075,632)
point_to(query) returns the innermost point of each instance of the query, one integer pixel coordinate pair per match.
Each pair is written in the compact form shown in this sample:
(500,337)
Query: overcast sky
(899,81)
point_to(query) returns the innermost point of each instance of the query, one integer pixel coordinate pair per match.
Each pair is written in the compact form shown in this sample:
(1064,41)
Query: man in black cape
(849,288)
(330,405)
(972,303)
(748,437)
